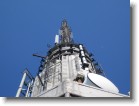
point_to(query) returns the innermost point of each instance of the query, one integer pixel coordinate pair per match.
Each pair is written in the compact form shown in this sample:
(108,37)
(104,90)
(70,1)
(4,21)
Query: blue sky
(27,26)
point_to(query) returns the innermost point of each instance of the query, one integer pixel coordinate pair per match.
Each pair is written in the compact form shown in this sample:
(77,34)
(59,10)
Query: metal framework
(26,85)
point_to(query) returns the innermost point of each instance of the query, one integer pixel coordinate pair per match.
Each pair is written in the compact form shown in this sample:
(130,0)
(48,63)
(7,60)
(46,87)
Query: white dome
(103,82)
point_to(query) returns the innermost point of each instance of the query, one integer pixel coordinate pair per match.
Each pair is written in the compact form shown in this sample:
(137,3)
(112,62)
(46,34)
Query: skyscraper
(68,70)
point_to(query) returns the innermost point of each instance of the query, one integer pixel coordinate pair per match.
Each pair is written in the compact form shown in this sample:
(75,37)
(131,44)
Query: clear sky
(27,26)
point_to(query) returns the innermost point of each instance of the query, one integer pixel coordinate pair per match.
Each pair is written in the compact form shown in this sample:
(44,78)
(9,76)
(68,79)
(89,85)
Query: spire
(65,32)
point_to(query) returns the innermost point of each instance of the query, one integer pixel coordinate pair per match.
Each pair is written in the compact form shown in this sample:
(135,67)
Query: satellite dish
(102,82)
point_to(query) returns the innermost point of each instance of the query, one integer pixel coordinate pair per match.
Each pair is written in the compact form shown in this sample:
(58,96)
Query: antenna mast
(65,32)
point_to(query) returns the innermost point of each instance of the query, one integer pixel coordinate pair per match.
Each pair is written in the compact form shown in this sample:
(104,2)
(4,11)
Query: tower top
(65,32)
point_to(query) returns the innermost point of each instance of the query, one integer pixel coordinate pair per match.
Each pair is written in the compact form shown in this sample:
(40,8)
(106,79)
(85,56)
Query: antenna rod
(39,56)
(40,80)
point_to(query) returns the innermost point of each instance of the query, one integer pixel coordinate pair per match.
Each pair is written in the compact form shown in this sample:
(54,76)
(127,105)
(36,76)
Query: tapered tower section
(68,70)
